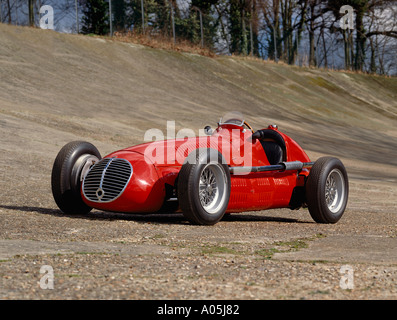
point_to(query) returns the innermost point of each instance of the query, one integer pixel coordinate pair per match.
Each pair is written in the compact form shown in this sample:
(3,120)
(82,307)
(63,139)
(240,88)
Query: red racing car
(230,169)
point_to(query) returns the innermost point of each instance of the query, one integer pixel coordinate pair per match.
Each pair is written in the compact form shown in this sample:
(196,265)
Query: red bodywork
(153,175)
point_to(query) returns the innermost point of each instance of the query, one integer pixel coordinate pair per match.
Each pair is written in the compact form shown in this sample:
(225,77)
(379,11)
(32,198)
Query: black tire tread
(67,200)
(314,191)
(185,194)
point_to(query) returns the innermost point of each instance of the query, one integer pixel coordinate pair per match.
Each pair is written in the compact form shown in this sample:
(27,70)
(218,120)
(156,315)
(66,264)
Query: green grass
(294,245)
(93,253)
(209,249)
(287,246)
(267,254)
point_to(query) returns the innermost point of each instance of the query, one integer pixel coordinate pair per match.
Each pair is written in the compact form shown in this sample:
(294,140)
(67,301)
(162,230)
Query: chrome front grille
(107,180)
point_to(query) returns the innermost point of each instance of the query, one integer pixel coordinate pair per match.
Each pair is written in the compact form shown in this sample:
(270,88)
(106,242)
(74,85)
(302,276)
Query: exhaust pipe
(283,166)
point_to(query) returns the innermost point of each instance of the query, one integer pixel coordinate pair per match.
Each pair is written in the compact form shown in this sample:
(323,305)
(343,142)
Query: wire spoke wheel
(211,188)
(334,190)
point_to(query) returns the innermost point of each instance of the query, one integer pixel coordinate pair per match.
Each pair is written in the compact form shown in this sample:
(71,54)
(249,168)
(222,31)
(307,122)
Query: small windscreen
(233,117)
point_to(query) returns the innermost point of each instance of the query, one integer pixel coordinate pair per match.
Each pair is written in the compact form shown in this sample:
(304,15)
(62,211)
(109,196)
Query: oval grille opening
(107,180)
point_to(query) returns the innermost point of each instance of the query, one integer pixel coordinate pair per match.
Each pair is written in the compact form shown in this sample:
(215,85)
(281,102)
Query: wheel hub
(208,187)
(334,190)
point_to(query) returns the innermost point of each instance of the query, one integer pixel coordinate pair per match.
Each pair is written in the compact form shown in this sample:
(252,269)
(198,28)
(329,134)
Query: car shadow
(157,217)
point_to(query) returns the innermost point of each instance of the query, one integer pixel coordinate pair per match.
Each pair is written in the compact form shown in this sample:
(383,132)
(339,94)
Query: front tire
(204,188)
(327,190)
(70,166)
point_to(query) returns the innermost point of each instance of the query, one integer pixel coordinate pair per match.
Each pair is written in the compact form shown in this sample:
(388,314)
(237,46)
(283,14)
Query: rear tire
(204,187)
(70,166)
(327,190)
